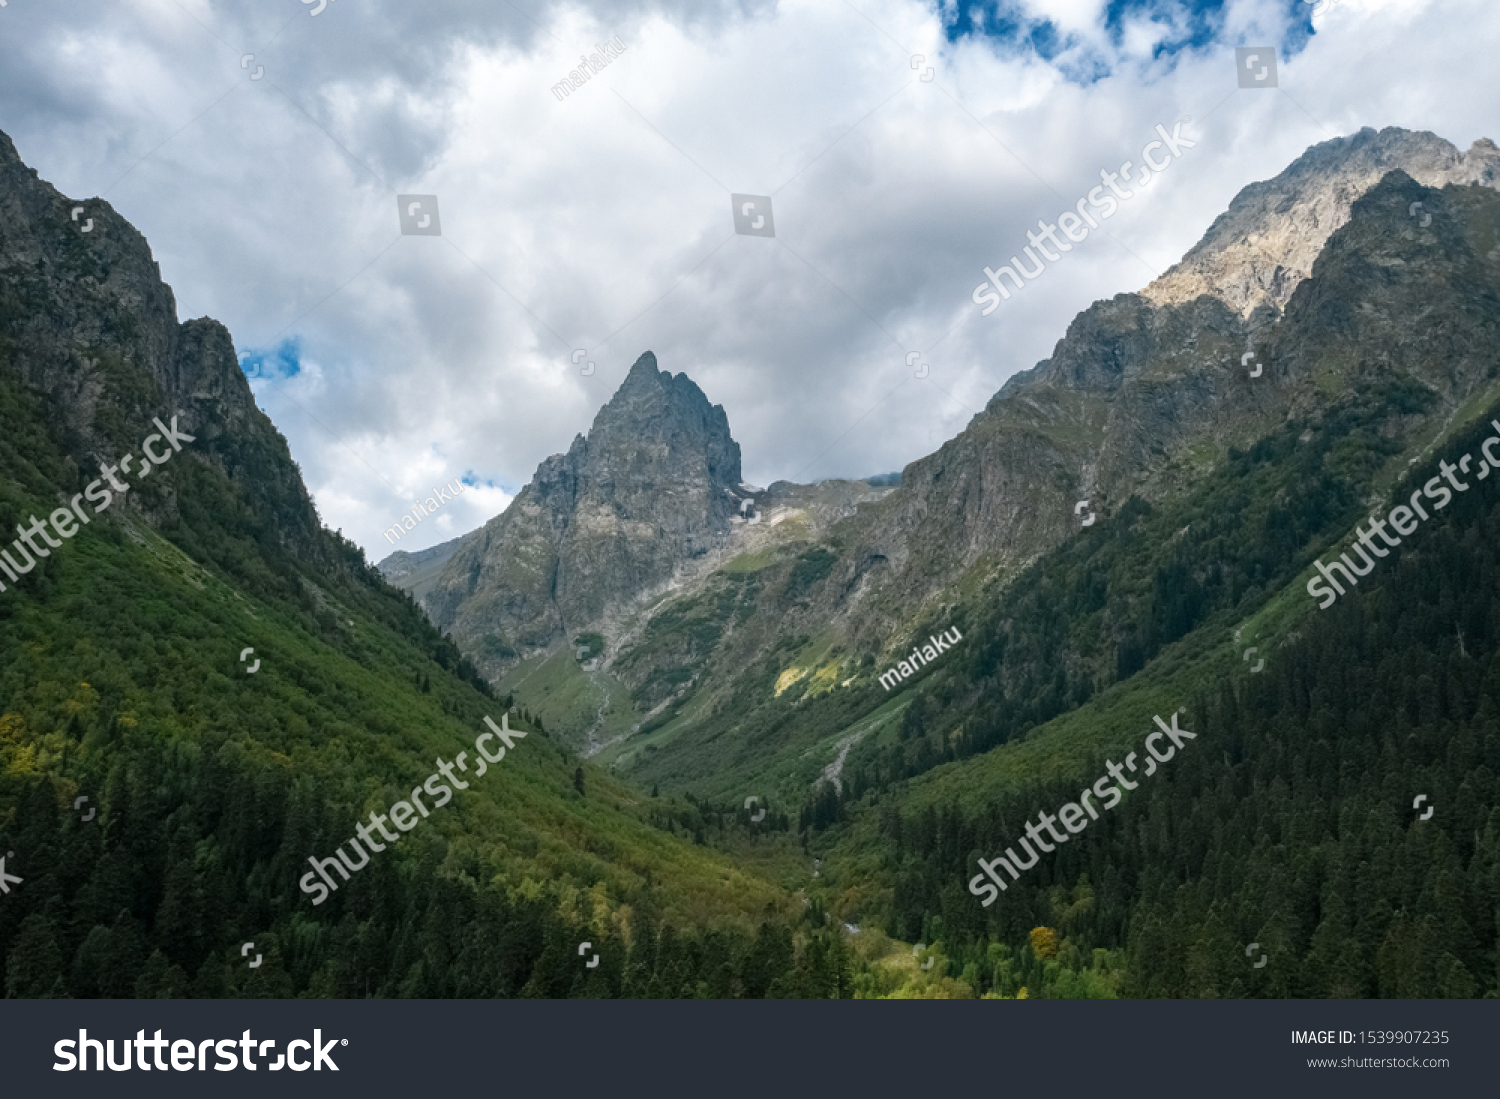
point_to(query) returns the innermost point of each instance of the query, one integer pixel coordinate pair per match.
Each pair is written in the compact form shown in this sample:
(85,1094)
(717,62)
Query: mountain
(1144,395)
(654,484)
(417,571)
(204,694)
(650,500)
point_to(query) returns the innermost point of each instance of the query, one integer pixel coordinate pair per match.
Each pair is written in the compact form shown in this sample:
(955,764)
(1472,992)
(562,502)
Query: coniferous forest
(1292,821)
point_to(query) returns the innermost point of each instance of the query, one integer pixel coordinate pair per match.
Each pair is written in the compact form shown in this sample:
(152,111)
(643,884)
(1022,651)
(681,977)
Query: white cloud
(602,222)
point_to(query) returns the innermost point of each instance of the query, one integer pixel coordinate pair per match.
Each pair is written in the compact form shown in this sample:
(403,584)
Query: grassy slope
(577,705)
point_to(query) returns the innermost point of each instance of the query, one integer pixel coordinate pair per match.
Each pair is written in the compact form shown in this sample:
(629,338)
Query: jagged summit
(1259,250)
(80,310)
(668,410)
(652,485)
(644,371)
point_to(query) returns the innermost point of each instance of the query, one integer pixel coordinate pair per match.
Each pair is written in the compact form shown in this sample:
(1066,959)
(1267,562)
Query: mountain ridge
(126,678)
(740,661)
(1141,396)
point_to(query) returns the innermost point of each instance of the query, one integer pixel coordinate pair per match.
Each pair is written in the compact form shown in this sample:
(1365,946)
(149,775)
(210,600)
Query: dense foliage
(1290,822)
(1102,606)
(159,801)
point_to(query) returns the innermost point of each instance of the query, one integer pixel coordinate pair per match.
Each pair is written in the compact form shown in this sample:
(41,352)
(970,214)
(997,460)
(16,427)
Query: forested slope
(1291,821)
(162,790)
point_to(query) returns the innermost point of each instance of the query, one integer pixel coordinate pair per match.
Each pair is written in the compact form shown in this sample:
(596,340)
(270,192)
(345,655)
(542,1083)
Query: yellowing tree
(1043,942)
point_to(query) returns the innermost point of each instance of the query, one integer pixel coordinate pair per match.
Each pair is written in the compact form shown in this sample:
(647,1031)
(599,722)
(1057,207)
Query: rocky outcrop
(654,484)
(1259,250)
(86,320)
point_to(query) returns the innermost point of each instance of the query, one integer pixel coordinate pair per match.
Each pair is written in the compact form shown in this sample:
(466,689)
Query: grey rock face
(653,485)
(1259,250)
(86,319)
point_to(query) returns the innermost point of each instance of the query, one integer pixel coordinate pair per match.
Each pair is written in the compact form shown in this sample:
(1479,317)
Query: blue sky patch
(282,361)
(1185,25)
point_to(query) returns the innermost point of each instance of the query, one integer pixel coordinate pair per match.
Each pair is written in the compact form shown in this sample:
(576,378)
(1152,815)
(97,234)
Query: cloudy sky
(260,145)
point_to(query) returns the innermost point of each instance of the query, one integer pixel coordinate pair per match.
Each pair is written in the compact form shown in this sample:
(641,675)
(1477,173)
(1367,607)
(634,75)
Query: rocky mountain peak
(652,485)
(86,319)
(655,418)
(644,372)
(1258,251)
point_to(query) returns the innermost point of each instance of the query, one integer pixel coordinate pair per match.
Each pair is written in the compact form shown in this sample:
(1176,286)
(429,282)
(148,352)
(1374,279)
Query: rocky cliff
(1258,251)
(653,485)
(86,320)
